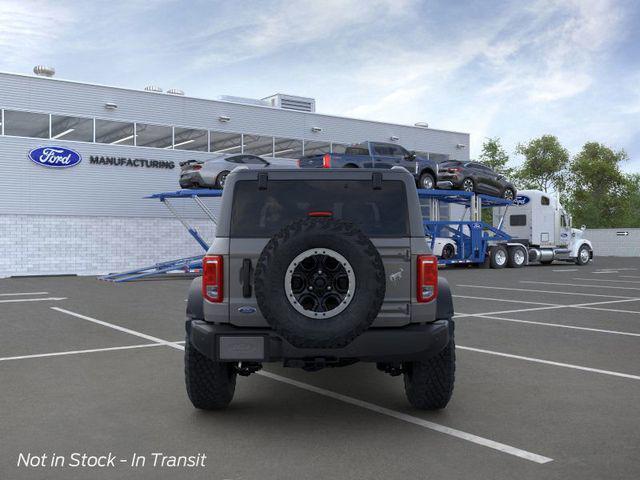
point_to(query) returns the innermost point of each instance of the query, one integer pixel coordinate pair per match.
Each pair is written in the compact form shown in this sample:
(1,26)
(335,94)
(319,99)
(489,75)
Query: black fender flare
(195,308)
(444,308)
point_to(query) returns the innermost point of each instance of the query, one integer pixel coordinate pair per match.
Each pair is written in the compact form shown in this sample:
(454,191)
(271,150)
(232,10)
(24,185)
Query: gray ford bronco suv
(315,269)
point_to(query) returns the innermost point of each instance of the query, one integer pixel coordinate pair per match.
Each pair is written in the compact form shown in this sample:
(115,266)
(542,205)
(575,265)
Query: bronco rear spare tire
(320,283)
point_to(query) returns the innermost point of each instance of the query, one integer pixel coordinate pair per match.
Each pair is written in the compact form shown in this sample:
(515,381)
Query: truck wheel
(320,283)
(427,181)
(429,384)
(584,255)
(499,256)
(210,385)
(517,257)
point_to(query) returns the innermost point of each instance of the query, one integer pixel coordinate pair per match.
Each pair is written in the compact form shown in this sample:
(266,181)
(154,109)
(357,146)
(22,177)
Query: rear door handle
(245,278)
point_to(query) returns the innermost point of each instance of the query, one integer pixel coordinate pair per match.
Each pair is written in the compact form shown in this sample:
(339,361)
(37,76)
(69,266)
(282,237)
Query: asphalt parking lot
(548,386)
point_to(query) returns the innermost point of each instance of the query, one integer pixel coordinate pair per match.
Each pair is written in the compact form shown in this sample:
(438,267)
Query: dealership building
(91,217)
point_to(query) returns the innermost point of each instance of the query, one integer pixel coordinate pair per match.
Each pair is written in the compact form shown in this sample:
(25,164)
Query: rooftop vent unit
(153,88)
(291,102)
(244,100)
(175,91)
(43,71)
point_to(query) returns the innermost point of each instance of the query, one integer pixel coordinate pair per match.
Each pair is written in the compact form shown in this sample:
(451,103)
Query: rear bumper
(228,343)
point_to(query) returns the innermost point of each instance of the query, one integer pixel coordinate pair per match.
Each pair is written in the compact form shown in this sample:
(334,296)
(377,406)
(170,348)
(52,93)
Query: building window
(339,148)
(545,200)
(157,136)
(26,124)
(71,128)
(190,139)
(115,133)
(225,142)
(316,148)
(257,145)
(287,148)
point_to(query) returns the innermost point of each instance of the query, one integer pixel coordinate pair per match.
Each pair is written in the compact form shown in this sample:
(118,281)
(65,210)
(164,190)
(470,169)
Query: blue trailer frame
(187,264)
(472,237)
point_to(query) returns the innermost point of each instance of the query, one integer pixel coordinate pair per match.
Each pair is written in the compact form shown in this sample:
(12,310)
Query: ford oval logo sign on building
(55,157)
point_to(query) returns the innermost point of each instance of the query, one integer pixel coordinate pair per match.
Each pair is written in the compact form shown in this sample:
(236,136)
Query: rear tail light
(320,214)
(454,170)
(298,162)
(196,167)
(427,278)
(212,278)
(326,160)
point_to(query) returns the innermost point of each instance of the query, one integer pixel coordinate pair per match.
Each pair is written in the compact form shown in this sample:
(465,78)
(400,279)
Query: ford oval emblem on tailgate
(55,157)
(247,309)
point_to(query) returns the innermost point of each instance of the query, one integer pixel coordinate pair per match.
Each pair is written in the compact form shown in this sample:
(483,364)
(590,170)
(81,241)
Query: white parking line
(76,352)
(485,442)
(548,362)
(559,325)
(118,327)
(581,285)
(629,276)
(343,398)
(519,310)
(507,300)
(48,299)
(588,306)
(605,280)
(27,293)
(543,291)
(566,270)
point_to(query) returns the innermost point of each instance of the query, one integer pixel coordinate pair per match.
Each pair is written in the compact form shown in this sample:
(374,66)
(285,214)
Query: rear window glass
(262,213)
(518,220)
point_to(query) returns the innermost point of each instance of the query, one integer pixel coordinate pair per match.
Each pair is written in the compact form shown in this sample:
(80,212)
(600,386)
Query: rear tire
(429,384)
(499,257)
(448,251)
(517,257)
(427,182)
(210,385)
(468,185)
(221,179)
(508,194)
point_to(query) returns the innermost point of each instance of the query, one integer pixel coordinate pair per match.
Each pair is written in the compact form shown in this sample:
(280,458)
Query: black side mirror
(411,155)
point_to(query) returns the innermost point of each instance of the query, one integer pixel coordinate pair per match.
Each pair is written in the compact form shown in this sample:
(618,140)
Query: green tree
(545,164)
(600,194)
(494,156)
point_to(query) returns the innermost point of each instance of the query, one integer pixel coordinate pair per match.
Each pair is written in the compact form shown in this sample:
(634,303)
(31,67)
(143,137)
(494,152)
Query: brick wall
(49,245)
(611,242)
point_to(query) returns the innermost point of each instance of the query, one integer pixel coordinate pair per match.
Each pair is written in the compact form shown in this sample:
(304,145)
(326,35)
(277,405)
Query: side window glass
(544,201)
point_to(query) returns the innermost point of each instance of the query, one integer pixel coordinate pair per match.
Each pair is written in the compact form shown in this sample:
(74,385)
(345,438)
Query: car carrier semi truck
(534,228)
(538,222)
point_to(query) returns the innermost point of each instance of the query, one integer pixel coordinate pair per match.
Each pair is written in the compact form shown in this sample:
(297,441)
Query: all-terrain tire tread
(429,384)
(210,385)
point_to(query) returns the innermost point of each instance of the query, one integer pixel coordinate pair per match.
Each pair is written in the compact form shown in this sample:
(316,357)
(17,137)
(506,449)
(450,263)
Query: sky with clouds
(510,69)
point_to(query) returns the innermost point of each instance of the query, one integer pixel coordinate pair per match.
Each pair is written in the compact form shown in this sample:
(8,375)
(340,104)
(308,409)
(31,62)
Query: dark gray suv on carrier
(314,269)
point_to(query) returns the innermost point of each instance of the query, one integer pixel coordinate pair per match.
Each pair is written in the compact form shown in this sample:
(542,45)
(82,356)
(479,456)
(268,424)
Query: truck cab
(538,220)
